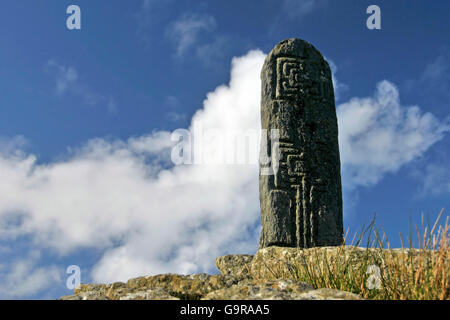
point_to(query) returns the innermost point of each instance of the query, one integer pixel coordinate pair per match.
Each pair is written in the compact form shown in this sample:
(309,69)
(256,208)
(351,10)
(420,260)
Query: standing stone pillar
(301,202)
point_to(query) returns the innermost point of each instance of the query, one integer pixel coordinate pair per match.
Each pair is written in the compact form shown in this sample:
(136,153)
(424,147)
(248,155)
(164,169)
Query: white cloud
(437,69)
(165,219)
(298,8)
(176,116)
(174,106)
(377,135)
(293,11)
(186,31)
(150,17)
(339,87)
(149,12)
(436,179)
(147,217)
(13,145)
(65,77)
(67,81)
(22,278)
(191,33)
(434,80)
(112,106)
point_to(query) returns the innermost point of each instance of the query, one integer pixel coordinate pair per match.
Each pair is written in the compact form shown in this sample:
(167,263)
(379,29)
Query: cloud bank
(377,135)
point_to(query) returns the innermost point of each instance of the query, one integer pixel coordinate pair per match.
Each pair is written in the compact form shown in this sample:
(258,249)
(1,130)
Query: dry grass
(407,273)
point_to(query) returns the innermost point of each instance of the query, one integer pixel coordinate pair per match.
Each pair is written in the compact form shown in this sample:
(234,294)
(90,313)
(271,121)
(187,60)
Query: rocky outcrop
(257,290)
(243,277)
(283,289)
(159,287)
(205,287)
(284,262)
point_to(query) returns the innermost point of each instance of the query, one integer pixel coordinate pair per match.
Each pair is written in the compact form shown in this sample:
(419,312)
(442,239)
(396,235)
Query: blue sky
(86,117)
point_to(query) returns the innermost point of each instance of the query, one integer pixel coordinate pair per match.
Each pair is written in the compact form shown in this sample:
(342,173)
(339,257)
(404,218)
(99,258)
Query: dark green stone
(301,204)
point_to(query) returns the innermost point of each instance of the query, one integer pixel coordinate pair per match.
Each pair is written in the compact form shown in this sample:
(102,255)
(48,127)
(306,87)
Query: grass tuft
(377,271)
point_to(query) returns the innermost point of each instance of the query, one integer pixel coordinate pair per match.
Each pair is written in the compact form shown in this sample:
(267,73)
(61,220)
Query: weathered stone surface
(262,290)
(270,262)
(150,294)
(278,290)
(329,294)
(301,203)
(235,265)
(163,286)
(71,297)
(183,287)
(203,286)
(121,294)
(90,295)
(285,262)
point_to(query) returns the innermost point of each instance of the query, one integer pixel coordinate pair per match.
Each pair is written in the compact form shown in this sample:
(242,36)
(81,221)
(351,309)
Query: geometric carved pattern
(291,179)
(288,81)
(301,202)
(291,166)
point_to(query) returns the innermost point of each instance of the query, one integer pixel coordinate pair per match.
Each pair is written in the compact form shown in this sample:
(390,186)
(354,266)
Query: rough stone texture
(206,287)
(267,290)
(184,287)
(282,261)
(163,286)
(235,265)
(301,203)
(328,294)
(144,294)
(149,294)
(248,291)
